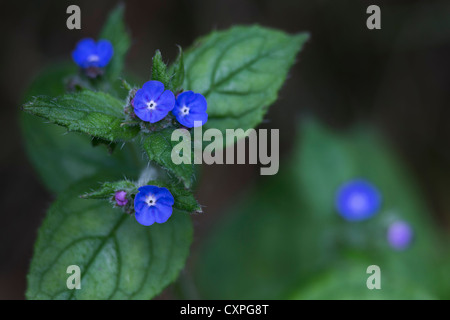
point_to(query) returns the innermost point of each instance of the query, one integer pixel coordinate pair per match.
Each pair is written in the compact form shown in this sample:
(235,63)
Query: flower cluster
(152,103)
(358,200)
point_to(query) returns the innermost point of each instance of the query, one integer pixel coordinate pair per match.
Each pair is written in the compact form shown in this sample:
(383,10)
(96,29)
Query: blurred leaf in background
(115,31)
(286,239)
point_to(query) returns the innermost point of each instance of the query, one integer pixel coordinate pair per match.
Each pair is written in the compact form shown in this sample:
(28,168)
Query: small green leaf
(118,257)
(95,113)
(158,146)
(176,71)
(239,71)
(115,31)
(108,189)
(60,157)
(159,70)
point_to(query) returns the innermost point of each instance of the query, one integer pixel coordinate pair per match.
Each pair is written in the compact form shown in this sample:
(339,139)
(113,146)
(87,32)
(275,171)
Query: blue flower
(89,54)
(357,200)
(399,235)
(152,103)
(153,204)
(189,108)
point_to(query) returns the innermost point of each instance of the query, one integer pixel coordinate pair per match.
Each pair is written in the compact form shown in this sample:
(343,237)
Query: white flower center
(151,105)
(93,58)
(150,200)
(185,110)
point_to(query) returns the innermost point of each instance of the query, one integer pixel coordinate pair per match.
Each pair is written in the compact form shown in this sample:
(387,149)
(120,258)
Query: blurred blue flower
(400,235)
(89,53)
(153,204)
(189,108)
(152,103)
(121,198)
(357,200)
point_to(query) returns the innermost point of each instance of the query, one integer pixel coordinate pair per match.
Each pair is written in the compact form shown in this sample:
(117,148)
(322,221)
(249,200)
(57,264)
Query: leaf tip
(303,35)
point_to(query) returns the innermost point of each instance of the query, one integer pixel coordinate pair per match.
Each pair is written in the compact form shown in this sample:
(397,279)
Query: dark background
(396,78)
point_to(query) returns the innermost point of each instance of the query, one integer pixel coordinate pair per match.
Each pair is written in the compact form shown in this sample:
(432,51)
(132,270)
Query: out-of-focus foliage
(286,240)
(115,31)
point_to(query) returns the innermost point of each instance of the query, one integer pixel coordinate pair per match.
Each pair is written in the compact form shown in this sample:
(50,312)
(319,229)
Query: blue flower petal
(88,53)
(151,103)
(139,201)
(151,116)
(191,107)
(198,104)
(153,88)
(148,189)
(163,213)
(83,50)
(194,117)
(141,99)
(143,114)
(185,97)
(166,101)
(105,52)
(164,197)
(146,216)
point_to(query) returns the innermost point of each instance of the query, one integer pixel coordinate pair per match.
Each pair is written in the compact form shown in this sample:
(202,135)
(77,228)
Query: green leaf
(184,200)
(158,146)
(115,31)
(257,251)
(159,70)
(60,157)
(111,146)
(347,281)
(108,189)
(118,257)
(239,71)
(176,71)
(95,113)
(286,232)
